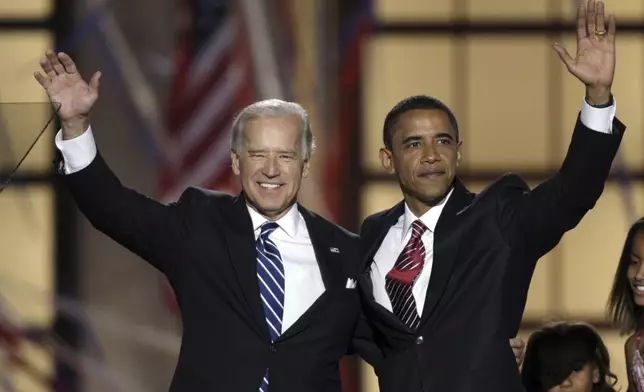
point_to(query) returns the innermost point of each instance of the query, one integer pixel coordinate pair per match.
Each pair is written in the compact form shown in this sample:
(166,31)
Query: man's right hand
(65,87)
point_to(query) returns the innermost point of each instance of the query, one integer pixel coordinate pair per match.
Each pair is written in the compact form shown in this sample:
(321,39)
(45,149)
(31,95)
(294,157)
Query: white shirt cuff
(78,152)
(598,119)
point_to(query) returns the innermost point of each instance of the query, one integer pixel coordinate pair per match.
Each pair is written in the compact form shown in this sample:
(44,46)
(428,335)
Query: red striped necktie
(400,280)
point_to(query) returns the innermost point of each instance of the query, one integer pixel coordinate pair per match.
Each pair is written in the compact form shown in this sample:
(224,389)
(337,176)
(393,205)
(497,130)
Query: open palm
(65,86)
(594,63)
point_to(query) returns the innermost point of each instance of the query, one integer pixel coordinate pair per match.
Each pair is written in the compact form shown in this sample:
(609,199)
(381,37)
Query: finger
(46,66)
(53,59)
(612,28)
(564,55)
(516,344)
(591,19)
(67,62)
(42,79)
(599,15)
(94,82)
(581,22)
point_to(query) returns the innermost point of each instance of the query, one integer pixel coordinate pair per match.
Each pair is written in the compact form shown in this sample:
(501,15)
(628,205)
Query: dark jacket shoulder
(326,225)
(506,186)
(374,221)
(197,195)
(509,185)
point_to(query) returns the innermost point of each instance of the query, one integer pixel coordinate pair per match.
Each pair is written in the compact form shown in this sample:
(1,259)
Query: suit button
(419,340)
(272,347)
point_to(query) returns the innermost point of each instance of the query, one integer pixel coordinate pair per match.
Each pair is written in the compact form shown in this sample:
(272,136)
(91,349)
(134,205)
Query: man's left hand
(594,63)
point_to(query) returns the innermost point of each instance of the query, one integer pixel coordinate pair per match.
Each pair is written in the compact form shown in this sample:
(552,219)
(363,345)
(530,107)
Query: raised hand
(594,63)
(65,86)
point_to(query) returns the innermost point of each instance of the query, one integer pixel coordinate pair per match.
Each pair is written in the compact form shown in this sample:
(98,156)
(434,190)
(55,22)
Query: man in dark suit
(446,272)
(265,287)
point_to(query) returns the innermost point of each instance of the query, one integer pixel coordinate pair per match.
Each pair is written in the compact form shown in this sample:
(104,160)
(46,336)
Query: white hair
(274,108)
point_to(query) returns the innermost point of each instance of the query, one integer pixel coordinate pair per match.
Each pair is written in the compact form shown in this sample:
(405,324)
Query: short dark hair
(621,304)
(556,350)
(412,103)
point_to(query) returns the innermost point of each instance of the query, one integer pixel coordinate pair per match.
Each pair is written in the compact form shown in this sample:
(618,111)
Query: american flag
(213,81)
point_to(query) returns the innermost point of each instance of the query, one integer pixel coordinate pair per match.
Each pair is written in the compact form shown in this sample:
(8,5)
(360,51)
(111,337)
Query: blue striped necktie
(270,276)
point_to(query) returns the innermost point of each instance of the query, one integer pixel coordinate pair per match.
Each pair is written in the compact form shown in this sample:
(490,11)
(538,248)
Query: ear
(234,157)
(386,159)
(458,153)
(305,169)
(595,374)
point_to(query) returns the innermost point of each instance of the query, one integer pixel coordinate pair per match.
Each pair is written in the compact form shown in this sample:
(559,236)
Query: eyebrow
(441,135)
(412,139)
(290,152)
(256,150)
(446,135)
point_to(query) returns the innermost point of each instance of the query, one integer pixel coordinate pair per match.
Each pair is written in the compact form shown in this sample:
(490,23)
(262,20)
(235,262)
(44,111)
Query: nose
(640,271)
(430,153)
(271,168)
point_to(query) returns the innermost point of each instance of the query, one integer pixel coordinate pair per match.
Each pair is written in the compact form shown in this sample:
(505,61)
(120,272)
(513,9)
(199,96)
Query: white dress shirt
(394,243)
(597,119)
(303,283)
(303,280)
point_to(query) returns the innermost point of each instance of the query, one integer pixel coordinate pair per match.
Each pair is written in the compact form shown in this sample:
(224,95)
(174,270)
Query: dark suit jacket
(485,250)
(204,244)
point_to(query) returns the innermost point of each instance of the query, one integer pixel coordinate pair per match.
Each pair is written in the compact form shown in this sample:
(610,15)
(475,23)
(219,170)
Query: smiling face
(635,272)
(424,155)
(271,163)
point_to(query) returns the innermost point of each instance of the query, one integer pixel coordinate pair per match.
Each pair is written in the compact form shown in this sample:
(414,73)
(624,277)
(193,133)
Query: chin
(272,208)
(639,301)
(434,197)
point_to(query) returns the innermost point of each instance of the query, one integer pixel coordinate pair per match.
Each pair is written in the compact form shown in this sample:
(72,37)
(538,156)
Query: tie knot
(268,228)
(418,228)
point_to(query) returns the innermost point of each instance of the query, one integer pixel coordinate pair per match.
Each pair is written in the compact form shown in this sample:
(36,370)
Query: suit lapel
(240,239)
(332,276)
(445,247)
(371,243)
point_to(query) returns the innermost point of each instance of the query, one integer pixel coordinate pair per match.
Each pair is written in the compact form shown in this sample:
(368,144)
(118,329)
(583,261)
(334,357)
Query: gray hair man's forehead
(273,108)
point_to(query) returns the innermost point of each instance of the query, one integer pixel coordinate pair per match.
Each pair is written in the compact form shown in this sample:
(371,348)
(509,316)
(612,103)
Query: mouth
(433,173)
(638,287)
(269,185)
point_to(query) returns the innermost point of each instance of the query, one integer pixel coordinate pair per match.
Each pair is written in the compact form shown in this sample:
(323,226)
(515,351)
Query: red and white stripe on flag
(213,81)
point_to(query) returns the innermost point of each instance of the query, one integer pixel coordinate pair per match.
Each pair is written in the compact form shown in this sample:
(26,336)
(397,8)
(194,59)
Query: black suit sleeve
(536,220)
(363,343)
(146,227)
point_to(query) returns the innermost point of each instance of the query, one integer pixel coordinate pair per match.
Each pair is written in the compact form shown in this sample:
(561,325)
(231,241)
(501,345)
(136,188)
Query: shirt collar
(430,218)
(288,222)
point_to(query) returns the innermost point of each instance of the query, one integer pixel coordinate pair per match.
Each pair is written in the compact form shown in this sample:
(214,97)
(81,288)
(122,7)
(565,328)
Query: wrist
(598,96)
(74,127)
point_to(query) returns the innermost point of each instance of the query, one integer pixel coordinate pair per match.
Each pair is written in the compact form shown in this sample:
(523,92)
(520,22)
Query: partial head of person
(568,357)
(626,301)
(271,147)
(422,148)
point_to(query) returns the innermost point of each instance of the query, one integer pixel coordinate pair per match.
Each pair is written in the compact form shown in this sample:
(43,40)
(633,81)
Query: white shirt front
(303,280)
(394,243)
(303,283)
(597,119)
